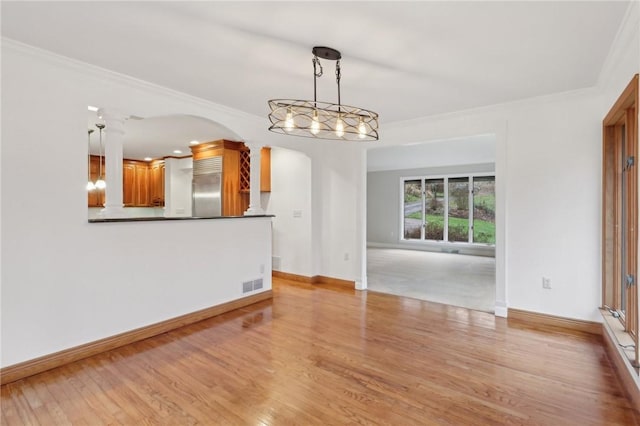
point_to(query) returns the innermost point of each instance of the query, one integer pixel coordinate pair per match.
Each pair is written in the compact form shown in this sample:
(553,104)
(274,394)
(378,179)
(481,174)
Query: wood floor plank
(325,354)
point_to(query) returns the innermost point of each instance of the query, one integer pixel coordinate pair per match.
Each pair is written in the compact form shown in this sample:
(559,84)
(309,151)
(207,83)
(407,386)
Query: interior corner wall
(290,203)
(337,188)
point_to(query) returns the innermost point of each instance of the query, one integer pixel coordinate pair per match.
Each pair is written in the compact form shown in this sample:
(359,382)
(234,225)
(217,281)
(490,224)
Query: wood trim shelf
(316,279)
(66,356)
(622,366)
(536,318)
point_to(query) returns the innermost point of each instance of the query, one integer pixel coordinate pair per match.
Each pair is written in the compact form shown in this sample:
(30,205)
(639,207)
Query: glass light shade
(288,123)
(362,130)
(101,184)
(315,124)
(339,127)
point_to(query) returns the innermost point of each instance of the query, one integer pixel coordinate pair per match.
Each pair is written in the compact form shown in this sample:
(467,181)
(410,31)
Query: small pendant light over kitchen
(90,184)
(323,120)
(100,183)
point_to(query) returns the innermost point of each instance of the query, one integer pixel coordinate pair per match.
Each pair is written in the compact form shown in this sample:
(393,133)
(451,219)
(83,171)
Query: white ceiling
(478,149)
(401,59)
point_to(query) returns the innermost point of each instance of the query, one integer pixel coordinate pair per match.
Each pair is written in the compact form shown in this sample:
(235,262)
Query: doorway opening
(431,221)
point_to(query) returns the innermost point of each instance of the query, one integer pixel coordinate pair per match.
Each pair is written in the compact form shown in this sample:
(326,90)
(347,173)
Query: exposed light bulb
(90,186)
(101,184)
(315,124)
(339,127)
(362,129)
(288,122)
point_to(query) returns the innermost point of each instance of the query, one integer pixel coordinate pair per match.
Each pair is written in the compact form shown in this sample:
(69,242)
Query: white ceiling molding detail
(417,58)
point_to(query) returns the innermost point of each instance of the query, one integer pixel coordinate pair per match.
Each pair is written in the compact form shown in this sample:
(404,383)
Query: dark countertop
(157,219)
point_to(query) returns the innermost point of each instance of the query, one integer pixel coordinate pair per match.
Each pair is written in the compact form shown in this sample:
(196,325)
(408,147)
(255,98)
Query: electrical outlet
(546,283)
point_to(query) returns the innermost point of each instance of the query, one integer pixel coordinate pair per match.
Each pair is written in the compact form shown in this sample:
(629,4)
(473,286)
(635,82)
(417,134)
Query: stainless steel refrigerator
(207,187)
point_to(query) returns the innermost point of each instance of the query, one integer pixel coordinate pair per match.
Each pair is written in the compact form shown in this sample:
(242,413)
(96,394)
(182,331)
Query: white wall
(178,175)
(547,197)
(478,149)
(290,202)
(67,282)
(337,188)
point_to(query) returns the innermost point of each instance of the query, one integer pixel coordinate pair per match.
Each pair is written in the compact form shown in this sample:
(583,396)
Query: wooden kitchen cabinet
(156,183)
(142,183)
(265,169)
(135,183)
(128,183)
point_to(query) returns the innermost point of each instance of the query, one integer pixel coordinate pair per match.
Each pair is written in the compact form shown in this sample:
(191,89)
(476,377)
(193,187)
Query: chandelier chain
(338,75)
(316,61)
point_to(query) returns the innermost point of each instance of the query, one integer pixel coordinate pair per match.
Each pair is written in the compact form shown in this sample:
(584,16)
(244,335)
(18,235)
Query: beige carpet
(452,279)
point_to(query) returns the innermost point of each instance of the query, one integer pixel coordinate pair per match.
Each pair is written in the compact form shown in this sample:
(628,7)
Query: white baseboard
(458,248)
(501,309)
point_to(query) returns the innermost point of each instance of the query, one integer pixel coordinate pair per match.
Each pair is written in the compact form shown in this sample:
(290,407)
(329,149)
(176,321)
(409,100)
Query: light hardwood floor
(327,355)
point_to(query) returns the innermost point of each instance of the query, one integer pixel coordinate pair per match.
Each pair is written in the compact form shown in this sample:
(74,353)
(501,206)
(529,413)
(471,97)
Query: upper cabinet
(156,183)
(142,183)
(265,169)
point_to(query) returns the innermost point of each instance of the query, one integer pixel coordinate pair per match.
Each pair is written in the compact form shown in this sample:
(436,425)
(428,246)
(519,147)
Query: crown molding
(497,108)
(628,33)
(119,78)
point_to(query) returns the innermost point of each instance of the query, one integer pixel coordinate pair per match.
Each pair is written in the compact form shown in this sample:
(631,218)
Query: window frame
(445,177)
(619,228)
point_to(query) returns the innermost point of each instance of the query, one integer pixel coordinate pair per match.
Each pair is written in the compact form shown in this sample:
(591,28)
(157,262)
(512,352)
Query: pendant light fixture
(90,185)
(323,120)
(100,183)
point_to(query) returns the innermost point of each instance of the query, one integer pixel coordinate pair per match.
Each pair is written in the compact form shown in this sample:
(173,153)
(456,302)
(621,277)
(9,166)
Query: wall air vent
(207,165)
(257,284)
(275,262)
(248,286)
